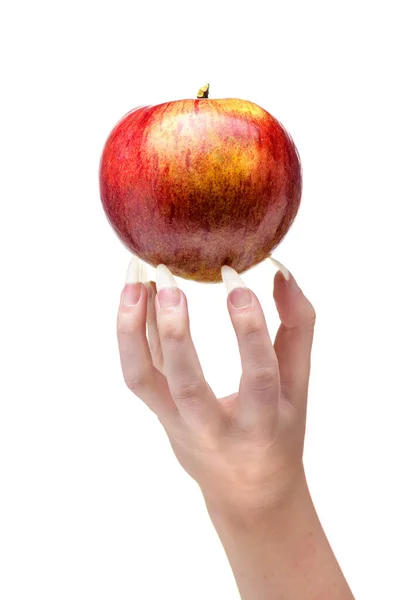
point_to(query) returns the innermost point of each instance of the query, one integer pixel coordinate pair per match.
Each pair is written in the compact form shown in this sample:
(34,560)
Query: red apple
(197,184)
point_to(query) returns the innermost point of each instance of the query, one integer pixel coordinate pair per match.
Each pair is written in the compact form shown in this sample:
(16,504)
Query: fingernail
(293,285)
(132,293)
(238,293)
(144,278)
(231,279)
(285,272)
(240,297)
(133,288)
(168,297)
(168,293)
(133,272)
(164,278)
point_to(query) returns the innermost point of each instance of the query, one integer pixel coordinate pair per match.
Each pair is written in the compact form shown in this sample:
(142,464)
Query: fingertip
(283,296)
(280,288)
(284,278)
(132,296)
(164,278)
(231,279)
(292,305)
(285,283)
(280,279)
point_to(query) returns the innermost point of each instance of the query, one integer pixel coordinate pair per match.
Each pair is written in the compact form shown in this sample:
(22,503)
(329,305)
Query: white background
(93,503)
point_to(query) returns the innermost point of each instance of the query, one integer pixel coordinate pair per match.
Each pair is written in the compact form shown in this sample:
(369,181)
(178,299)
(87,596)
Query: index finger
(182,368)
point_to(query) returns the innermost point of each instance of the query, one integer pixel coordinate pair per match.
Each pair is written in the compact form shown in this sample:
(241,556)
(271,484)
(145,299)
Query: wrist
(281,550)
(272,510)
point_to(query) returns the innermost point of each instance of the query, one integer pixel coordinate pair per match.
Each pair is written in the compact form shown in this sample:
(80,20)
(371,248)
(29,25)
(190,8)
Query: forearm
(282,554)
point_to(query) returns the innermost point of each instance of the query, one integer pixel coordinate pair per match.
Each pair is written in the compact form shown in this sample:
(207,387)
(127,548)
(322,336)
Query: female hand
(244,450)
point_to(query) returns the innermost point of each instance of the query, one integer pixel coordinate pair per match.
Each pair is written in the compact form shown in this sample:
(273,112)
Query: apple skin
(197,184)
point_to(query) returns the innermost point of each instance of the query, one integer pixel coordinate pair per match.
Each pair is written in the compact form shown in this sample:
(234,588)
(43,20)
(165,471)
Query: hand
(244,450)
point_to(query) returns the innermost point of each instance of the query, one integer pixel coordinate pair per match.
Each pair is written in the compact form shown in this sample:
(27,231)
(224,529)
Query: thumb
(294,339)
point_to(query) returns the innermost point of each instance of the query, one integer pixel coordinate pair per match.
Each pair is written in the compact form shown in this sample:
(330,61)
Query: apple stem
(203,91)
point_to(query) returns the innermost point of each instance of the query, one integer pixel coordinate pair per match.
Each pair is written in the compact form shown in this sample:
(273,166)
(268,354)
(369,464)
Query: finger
(152,328)
(140,375)
(294,339)
(259,388)
(183,371)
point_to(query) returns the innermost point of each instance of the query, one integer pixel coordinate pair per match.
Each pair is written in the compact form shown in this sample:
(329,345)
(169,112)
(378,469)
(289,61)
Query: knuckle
(309,318)
(173,330)
(312,315)
(264,378)
(308,311)
(126,324)
(188,390)
(304,321)
(136,382)
(252,328)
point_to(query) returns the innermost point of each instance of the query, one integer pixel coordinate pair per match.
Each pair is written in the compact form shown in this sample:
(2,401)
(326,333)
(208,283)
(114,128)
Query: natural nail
(133,288)
(240,297)
(131,294)
(168,293)
(169,297)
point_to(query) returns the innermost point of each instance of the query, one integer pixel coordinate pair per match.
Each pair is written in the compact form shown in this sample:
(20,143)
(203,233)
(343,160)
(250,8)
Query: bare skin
(245,450)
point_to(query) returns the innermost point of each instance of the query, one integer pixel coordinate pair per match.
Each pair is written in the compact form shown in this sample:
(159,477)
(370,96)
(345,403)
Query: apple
(197,184)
